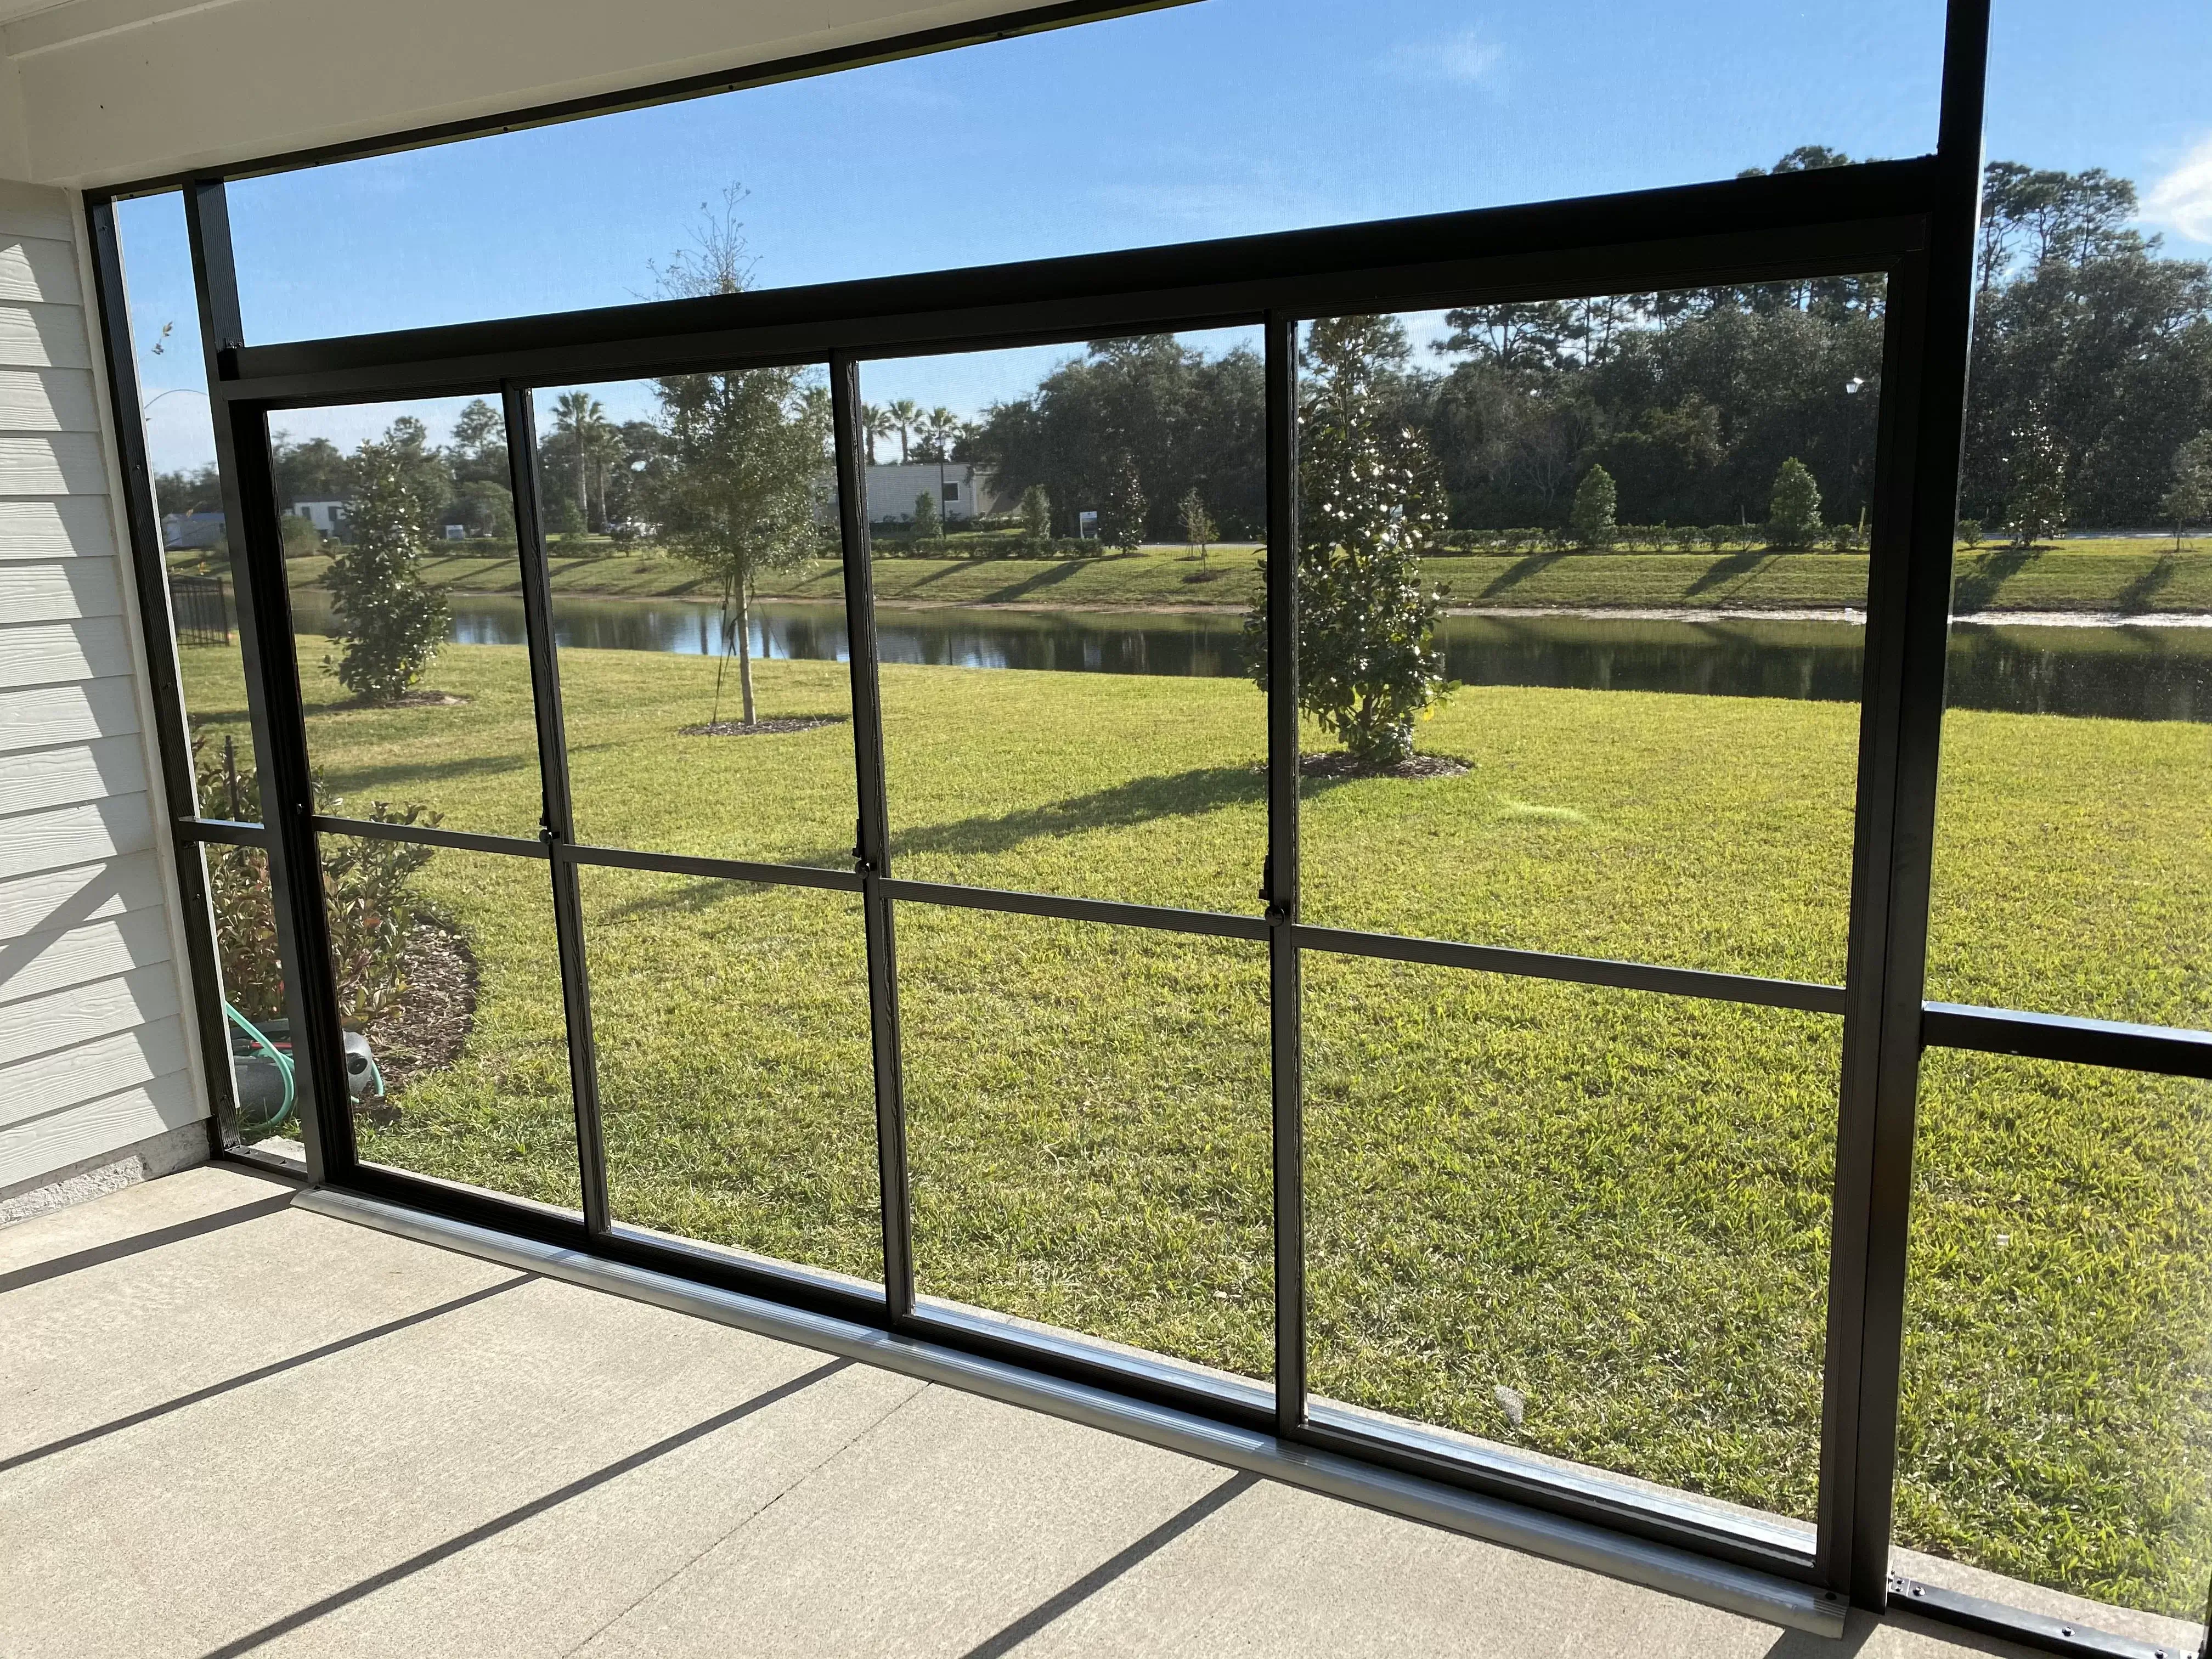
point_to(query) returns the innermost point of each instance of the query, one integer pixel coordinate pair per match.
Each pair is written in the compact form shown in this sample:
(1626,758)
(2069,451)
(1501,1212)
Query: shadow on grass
(1141,800)
(1727,570)
(1051,576)
(1126,805)
(1979,584)
(349,783)
(2140,593)
(1532,564)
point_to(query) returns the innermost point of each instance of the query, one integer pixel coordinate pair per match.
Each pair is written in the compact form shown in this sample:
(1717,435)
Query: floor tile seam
(747,1519)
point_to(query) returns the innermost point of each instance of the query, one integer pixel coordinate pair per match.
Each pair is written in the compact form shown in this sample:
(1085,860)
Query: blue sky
(1215,118)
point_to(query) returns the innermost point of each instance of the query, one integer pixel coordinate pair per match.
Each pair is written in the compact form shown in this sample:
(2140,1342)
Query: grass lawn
(2114,575)
(1614,1204)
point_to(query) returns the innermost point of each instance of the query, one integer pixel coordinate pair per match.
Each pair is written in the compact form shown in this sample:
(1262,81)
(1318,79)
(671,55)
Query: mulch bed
(426,1028)
(1338,764)
(767,728)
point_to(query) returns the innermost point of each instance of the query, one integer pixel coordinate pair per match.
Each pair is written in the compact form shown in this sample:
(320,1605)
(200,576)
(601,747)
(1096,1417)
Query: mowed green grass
(2117,575)
(1614,1204)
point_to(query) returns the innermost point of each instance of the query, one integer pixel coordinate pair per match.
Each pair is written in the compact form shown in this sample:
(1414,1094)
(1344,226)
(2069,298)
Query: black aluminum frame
(1914,220)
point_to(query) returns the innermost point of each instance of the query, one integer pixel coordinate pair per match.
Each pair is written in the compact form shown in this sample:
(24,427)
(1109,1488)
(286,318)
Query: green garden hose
(282,1062)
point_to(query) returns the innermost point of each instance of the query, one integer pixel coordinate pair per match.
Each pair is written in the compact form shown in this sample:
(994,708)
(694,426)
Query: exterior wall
(95,1061)
(892,490)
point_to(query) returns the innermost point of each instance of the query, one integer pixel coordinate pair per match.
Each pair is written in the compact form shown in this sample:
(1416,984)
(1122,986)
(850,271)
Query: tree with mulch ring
(776,725)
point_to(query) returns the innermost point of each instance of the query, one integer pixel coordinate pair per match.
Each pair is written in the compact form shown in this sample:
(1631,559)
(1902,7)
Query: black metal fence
(200,607)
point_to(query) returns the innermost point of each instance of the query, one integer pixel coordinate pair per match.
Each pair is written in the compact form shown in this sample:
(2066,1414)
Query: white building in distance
(962,491)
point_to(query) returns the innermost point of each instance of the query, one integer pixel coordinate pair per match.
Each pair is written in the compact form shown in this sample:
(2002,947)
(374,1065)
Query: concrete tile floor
(227,1426)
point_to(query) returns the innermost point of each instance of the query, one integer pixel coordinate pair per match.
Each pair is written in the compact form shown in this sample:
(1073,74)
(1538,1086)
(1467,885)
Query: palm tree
(876,422)
(905,416)
(580,422)
(939,429)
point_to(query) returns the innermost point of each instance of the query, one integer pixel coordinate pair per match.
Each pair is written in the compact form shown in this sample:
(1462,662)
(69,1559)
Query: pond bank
(2125,582)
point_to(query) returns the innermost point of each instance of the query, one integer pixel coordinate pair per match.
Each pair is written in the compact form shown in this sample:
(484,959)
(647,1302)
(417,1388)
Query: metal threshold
(1766,1597)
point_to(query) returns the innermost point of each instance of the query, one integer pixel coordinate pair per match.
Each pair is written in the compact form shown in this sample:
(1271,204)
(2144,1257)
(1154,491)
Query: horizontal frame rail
(1577,971)
(1827,221)
(2164,1049)
(460,840)
(1159,917)
(685,864)
(1772,1544)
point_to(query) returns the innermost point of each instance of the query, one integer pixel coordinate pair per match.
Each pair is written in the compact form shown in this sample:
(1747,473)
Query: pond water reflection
(2126,672)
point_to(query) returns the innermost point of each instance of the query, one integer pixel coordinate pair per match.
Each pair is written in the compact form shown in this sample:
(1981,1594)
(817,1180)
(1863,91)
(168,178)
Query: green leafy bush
(368,897)
(390,623)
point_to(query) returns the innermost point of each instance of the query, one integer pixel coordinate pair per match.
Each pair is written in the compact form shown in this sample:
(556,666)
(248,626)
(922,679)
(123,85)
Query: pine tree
(1591,517)
(389,623)
(1370,506)
(1793,515)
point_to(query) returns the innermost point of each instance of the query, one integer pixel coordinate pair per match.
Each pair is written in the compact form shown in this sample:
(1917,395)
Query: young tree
(1794,514)
(1591,517)
(733,488)
(929,522)
(1036,518)
(2035,508)
(1121,518)
(1370,504)
(2188,500)
(1198,526)
(389,623)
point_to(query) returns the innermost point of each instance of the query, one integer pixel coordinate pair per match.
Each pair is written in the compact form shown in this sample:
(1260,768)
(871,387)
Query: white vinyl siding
(94,1052)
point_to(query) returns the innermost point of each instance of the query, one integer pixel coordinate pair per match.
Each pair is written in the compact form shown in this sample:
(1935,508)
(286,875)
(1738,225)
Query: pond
(2126,672)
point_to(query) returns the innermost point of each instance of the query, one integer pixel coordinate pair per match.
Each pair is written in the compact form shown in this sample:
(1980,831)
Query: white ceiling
(112,91)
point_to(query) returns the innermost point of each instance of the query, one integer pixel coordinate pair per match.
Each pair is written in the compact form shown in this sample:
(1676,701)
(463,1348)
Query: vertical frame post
(272,678)
(1931,325)
(149,572)
(872,847)
(557,821)
(1280,890)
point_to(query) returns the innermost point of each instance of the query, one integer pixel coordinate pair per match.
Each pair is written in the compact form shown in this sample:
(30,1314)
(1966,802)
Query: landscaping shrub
(366,895)
(2035,508)
(1370,506)
(1794,518)
(1036,518)
(390,623)
(1591,518)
